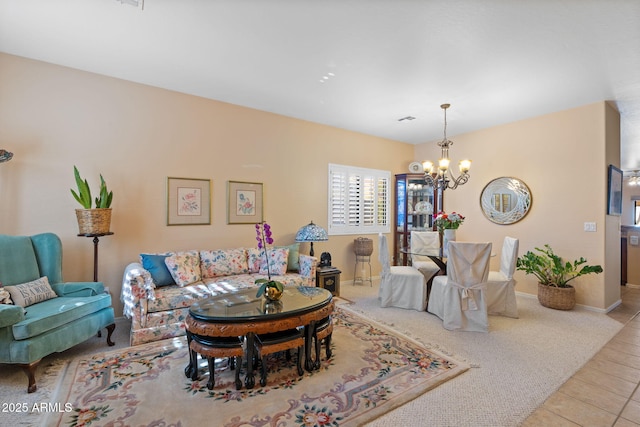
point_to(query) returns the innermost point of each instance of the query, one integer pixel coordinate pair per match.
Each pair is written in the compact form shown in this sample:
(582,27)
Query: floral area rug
(372,370)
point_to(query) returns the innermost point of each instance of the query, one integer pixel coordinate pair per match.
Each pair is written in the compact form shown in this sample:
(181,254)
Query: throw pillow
(184,267)
(155,265)
(30,293)
(254,259)
(5,296)
(293,263)
(277,261)
(224,262)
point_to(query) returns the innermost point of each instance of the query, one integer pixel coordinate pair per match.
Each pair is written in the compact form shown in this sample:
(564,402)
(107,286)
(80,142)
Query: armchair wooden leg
(30,370)
(110,330)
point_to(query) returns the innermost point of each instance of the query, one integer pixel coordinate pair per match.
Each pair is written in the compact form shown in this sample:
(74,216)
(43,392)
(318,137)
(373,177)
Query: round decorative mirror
(505,200)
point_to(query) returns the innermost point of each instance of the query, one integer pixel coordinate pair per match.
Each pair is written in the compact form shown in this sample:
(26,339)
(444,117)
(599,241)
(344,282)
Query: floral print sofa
(158,290)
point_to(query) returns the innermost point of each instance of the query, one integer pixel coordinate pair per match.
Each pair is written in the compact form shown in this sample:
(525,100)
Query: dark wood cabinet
(329,279)
(416,206)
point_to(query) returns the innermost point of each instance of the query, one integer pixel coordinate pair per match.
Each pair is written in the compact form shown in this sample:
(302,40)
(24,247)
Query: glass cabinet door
(416,207)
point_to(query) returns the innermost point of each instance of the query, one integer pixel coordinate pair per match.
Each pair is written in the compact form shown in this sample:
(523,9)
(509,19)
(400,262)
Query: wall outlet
(590,226)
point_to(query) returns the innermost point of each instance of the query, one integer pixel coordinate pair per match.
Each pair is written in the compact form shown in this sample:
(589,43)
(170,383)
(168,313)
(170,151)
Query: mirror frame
(523,195)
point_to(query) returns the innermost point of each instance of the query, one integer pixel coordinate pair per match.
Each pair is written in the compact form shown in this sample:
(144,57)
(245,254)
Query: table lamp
(311,233)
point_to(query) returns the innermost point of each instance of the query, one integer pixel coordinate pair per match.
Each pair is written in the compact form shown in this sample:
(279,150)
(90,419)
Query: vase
(272,293)
(448,235)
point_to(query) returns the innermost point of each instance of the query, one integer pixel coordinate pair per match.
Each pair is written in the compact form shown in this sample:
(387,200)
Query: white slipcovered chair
(400,286)
(501,292)
(459,297)
(424,242)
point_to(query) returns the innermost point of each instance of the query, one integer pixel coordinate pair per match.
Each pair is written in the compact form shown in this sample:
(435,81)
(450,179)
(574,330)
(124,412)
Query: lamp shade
(311,233)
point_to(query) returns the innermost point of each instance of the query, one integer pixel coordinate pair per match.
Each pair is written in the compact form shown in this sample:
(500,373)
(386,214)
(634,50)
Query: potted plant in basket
(553,276)
(98,219)
(272,289)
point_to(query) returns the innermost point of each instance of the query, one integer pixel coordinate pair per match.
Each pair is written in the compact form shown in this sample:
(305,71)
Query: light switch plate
(590,226)
(633,240)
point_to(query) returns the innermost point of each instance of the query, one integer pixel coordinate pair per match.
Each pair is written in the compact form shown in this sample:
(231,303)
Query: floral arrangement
(450,221)
(264,238)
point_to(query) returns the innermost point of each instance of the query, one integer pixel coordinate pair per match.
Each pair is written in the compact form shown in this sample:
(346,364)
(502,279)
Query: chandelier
(438,179)
(634,179)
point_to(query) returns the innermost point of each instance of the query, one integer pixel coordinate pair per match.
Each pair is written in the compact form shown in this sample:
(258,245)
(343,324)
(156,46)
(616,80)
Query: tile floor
(605,391)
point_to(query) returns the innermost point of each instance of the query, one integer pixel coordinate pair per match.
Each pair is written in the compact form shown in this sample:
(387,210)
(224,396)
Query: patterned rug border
(64,385)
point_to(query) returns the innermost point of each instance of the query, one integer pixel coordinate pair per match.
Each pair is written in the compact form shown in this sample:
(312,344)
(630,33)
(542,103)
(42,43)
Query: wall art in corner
(614,193)
(188,201)
(244,204)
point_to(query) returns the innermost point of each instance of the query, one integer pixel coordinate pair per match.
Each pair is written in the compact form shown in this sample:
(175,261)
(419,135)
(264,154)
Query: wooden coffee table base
(213,330)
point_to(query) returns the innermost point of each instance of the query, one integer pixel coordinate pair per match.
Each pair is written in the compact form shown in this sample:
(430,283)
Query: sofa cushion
(254,259)
(50,314)
(293,262)
(173,297)
(18,263)
(224,262)
(26,294)
(156,266)
(278,258)
(184,267)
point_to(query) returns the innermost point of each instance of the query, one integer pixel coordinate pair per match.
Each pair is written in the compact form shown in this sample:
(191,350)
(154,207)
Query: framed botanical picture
(188,201)
(244,204)
(614,193)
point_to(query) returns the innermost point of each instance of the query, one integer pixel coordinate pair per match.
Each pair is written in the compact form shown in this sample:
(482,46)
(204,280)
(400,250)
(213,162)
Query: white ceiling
(356,64)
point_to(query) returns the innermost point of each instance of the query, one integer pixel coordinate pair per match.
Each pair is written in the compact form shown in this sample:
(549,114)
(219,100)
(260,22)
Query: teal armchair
(77,312)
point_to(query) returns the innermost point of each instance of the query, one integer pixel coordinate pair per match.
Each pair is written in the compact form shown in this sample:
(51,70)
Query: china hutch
(416,207)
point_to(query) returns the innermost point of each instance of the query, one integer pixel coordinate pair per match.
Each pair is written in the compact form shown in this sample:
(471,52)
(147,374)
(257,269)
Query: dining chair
(501,292)
(400,286)
(424,242)
(459,297)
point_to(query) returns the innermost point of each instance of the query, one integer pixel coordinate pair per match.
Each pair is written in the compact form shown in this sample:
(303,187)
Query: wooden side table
(329,279)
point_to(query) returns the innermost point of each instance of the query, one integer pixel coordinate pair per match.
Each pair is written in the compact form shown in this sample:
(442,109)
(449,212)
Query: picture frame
(614,191)
(244,202)
(188,201)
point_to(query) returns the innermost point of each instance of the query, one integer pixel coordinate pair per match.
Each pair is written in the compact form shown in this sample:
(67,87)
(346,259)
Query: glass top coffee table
(243,314)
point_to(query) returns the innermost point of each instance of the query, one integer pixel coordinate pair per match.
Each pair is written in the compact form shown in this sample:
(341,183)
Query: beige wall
(563,159)
(53,117)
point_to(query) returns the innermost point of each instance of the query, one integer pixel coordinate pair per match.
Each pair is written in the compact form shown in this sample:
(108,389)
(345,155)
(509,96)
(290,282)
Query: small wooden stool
(213,348)
(323,331)
(279,341)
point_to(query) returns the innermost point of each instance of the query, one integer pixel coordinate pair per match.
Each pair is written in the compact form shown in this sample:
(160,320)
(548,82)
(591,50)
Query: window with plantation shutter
(358,200)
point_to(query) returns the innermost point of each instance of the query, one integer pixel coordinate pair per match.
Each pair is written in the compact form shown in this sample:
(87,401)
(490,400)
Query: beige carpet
(515,366)
(372,371)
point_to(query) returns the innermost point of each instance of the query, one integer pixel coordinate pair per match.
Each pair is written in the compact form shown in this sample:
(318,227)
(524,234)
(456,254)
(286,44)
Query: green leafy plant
(83,195)
(551,270)
(104,201)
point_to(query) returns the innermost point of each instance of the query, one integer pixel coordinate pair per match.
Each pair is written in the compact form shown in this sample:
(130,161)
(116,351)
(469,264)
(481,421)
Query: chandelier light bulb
(465,165)
(427,166)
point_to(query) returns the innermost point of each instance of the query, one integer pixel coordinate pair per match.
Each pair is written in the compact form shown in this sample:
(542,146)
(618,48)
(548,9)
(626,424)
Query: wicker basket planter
(363,246)
(557,298)
(93,221)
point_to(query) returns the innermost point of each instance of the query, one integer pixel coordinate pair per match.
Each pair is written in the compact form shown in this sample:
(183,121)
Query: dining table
(434,254)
